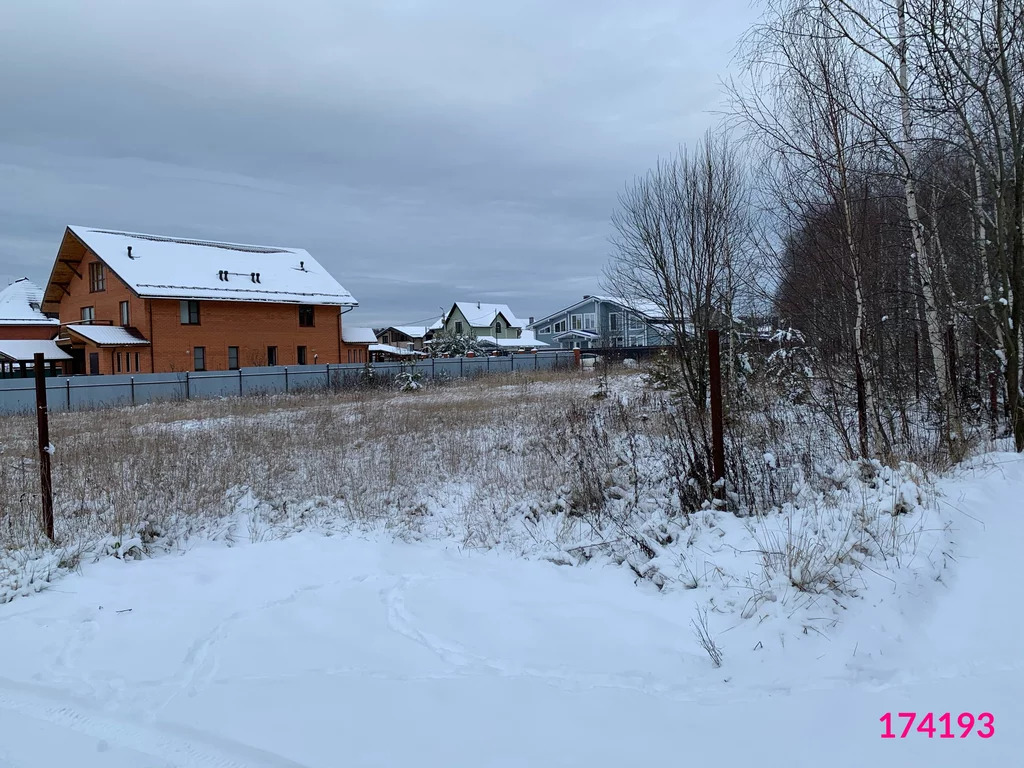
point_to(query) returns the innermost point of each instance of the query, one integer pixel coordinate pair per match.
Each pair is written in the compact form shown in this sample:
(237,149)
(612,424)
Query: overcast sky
(423,151)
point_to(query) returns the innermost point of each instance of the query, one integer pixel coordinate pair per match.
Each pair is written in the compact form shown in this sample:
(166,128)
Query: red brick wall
(249,326)
(107,303)
(27,331)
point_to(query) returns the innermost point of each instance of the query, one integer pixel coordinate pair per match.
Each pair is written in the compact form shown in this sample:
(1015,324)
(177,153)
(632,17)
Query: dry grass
(372,455)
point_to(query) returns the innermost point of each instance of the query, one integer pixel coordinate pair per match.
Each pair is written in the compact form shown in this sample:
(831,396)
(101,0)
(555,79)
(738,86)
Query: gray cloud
(423,151)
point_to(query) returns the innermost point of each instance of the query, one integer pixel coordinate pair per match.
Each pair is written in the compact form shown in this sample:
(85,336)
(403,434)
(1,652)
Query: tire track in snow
(172,745)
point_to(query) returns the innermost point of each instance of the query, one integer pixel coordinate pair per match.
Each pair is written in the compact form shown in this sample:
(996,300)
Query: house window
(458,327)
(560,326)
(199,358)
(545,330)
(125,314)
(97,278)
(127,361)
(306,316)
(617,341)
(589,321)
(635,324)
(497,329)
(636,341)
(88,314)
(300,355)
(614,321)
(271,355)
(232,358)
(189,312)
(118,362)
(576,322)
(137,369)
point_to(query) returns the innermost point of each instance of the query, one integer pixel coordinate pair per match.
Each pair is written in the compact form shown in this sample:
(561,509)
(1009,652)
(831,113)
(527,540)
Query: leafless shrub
(707,642)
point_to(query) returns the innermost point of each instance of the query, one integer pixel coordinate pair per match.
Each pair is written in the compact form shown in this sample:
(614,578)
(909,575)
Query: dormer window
(97,278)
(497,328)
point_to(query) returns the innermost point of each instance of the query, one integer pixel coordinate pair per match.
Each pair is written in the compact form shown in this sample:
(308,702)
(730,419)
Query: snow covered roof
(577,332)
(412,331)
(480,315)
(528,338)
(394,350)
(525,343)
(356,335)
(107,335)
(169,267)
(20,302)
(26,350)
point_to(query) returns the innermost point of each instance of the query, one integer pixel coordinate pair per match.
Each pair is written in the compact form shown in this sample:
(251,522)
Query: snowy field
(471,629)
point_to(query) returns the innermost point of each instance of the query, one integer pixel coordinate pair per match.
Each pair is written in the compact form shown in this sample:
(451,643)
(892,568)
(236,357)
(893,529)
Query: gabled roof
(646,309)
(480,315)
(355,335)
(412,331)
(23,351)
(20,304)
(176,268)
(578,332)
(107,335)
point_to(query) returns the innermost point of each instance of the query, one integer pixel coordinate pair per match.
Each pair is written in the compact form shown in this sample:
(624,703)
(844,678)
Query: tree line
(866,189)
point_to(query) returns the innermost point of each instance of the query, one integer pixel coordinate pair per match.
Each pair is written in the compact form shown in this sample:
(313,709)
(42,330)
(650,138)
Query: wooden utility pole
(717,421)
(43,421)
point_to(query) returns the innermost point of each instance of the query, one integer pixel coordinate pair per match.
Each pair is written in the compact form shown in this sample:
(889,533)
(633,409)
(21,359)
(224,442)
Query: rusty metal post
(993,399)
(717,421)
(576,357)
(43,422)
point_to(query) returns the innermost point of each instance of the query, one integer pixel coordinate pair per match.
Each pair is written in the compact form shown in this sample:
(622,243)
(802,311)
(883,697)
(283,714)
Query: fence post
(43,424)
(993,400)
(131,381)
(286,379)
(241,384)
(67,389)
(577,357)
(460,366)
(717,426)
(328,377)
(188,393)
(433,373)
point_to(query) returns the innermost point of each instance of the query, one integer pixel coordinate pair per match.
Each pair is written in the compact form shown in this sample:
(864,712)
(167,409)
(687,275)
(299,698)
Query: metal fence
(91,392)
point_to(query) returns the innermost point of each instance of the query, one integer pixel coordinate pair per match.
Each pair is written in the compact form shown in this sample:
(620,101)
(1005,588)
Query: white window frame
(636,341)
(561,326)
(575,322)
(545,331)
(635,323)
(614,321)
(590,321)
(88,315)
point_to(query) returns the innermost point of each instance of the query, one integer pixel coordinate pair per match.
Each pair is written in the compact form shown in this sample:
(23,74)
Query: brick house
(21,316)
(130,302)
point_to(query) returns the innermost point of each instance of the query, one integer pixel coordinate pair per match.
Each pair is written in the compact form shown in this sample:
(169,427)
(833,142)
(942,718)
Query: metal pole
(717,422)
(286,379)
(131,380)
(993,400)
(45,478)
(67,389)
(240,383)
(188,393)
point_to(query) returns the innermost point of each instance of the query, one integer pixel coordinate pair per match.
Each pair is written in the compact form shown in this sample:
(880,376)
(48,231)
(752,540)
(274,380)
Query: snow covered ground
(352,650)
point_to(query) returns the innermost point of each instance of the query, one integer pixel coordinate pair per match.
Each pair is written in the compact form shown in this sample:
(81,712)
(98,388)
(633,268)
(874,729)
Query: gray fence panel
(78,392)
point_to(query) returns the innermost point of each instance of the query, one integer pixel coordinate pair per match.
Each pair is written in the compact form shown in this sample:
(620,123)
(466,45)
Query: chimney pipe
(257,277)
(302,266)
(130,252)
(252,276)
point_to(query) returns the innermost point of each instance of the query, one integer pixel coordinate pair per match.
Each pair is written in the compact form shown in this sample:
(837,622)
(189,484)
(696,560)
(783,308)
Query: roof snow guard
(159,267)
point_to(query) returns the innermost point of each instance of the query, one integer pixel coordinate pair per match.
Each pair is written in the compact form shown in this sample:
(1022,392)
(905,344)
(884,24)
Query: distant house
(404,336)
(603,321)
(357,342)
(21,315)
(492,325)
(130,302)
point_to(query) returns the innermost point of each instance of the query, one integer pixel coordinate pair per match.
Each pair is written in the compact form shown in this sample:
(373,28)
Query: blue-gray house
(603,321)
